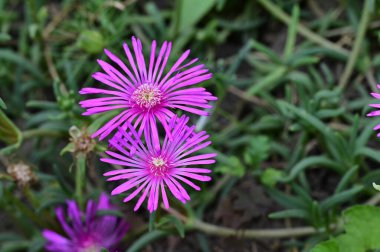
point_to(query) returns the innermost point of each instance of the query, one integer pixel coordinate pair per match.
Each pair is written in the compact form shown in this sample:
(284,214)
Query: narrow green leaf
(292,32)
(2,104)
(268,82)
(178,225)
(146,239)
(99,121)
(346,178)
(290,213)
(190,12)
(12,56)
(286,200)
(310,162)
(9,133)
(239,57)
(340,197)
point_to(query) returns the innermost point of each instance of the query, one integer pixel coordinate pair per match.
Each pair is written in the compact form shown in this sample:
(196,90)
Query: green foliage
(361,225)
(293,145)
(189,12)
(271,176)
(9,133)
(257,151)
(91,41)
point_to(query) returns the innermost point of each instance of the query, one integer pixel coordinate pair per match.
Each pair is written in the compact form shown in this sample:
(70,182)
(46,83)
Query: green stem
(40,133)
(80,177)
(211,229)
(357,45)
(303,30)
(292,33)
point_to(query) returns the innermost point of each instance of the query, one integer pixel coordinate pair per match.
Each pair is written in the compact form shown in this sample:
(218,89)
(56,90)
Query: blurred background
(295,148)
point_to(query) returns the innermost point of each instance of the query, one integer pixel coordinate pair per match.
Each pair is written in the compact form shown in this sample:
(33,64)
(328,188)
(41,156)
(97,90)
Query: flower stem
(364,20)
(80,162)
(40,132)
(248,233)
(302,29)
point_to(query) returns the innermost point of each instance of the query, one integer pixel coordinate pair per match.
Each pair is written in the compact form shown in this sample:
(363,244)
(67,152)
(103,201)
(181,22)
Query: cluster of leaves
(284,116)
(361,232)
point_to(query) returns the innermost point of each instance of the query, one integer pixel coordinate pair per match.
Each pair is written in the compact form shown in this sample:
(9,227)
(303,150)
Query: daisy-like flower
(143,92)
(152,168)
(86,232)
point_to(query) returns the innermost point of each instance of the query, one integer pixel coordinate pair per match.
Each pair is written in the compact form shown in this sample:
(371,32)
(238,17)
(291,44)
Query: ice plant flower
(151,167)
(86,232)
(146,92)
(376,112)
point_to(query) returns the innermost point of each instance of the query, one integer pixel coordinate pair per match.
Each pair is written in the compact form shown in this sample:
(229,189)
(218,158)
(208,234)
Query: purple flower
(152,167)
(88,231)
(376,112)
(145,94)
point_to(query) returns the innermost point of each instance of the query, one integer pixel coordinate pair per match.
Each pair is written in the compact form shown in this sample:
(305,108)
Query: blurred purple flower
(86,232)
(145,94)
(152,167)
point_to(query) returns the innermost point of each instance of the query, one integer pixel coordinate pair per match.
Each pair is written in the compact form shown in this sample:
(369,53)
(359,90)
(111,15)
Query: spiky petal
(86,231)
(144,92)
(151,168)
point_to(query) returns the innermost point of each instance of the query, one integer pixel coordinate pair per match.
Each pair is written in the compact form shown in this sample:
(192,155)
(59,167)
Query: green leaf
(257,151)
(340,197)
(287,200)
(269,82)
(290,213)
(292,32)
(146,239)
(91,41)
(346,178)
(190,12)
(12,56)
(327,246)
(362,232)
(271,176)
(4,37)
(7,236)
(178,225)
(9,133)
(231,165)
(267,51)
(100,120)
(312,161)
(14,246)
(68,148)
(37,244)
(2,104)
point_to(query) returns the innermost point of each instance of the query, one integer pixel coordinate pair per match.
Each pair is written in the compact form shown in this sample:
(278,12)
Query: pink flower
(86,231)
(376,112)
(145,94)
(154,167)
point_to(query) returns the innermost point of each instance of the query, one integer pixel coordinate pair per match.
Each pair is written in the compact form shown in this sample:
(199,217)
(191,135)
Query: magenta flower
(152,167)
(86,231)
(376,112)
(145,93)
